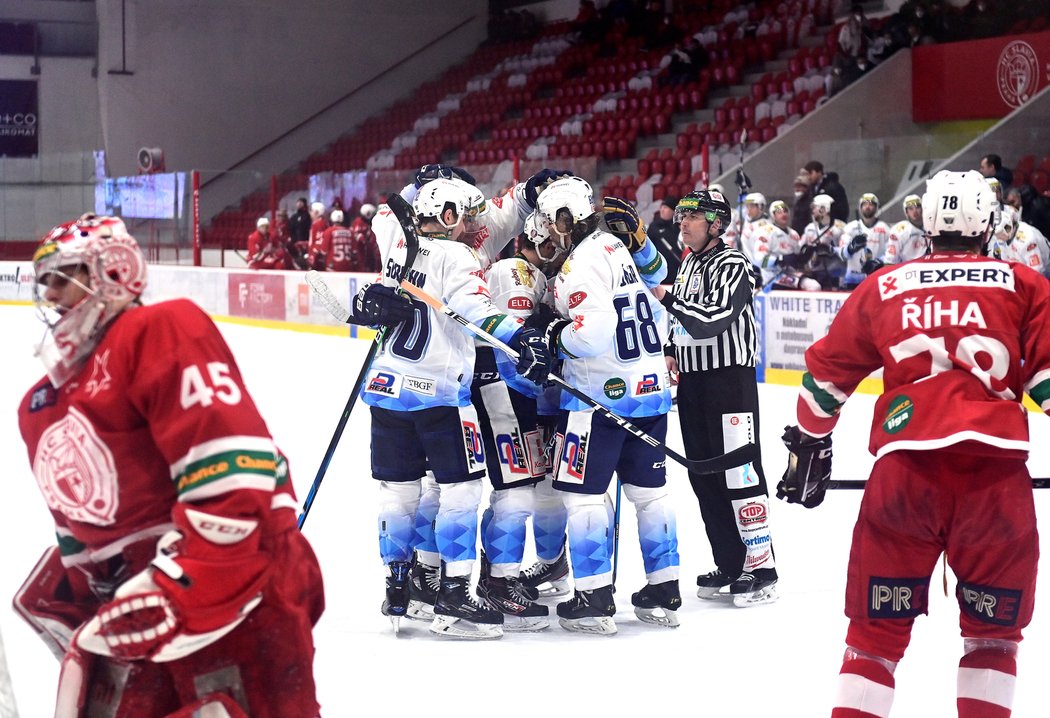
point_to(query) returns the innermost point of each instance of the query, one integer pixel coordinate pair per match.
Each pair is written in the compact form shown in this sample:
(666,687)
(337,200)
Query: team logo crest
(76,471)
(1017,74)
(100,379)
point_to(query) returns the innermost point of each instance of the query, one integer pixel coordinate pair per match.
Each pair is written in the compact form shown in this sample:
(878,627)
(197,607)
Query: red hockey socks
(987,676)
(865,687)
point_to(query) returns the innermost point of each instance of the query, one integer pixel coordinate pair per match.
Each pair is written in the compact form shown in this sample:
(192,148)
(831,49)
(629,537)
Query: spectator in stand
(664,235)
(981,20)
(684,62)
(803,196)
(855,33)
(363,248)
(314,249)
(1035,209)
(992,166)
(657,28)
(264,251)
(589,24)
(828,184)
(299,232)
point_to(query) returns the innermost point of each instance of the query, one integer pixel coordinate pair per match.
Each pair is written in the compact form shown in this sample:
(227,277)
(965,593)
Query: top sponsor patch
(926,275)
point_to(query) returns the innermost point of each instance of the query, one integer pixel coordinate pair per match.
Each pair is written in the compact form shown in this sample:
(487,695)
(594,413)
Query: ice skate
(714,586)
(549,580)
(520,613)
(423,585)
(589,612)
(458,615)
(658,603)
(754,588)
(395,605)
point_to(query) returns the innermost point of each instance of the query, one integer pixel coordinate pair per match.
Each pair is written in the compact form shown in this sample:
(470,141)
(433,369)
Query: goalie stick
(731,459)
(406,217)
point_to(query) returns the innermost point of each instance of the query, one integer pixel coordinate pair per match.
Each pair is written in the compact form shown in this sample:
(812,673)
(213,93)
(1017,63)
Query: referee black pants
(703,398)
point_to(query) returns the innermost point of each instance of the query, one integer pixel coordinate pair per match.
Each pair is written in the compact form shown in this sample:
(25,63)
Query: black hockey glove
(857,243)
(534,358)
(552,336)
(872,266)
(380,304)
(426,173)
(809,468)
(623,221)
(543,316)
(535,184)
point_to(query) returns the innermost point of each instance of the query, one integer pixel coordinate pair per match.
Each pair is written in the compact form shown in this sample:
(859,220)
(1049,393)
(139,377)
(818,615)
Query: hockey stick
(1043,483)
(737,457)
(616,531)
(404,214)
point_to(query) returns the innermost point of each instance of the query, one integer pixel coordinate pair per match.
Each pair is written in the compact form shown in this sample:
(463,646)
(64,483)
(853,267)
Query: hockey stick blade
(326,297)
(842,484)
(737,457)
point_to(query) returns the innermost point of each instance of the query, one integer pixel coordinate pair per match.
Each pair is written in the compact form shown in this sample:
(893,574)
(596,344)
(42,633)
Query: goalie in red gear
(960,338)
(178,562)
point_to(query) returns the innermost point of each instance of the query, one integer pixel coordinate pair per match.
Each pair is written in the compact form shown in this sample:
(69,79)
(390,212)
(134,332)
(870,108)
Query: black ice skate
(458,615)
(548,579)
(395,605)
(658,603)
(754,588)
(423,585)
(589,612)
(507,595)
(713,586)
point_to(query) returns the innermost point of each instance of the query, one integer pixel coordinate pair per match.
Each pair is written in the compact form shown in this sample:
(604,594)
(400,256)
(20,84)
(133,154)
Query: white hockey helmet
(116,276)
(336,216)
(1006,223)
(779,205)
(571,194)
(912,200)
(465,200)
(535,229)
(368,211)
(755,198)
(823,200)
(993,183)
(317,207)
(957,204)
(868,197)
(262,222)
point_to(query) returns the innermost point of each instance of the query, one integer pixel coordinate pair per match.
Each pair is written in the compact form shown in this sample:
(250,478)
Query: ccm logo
(575,298)
(520,303)
(220,530)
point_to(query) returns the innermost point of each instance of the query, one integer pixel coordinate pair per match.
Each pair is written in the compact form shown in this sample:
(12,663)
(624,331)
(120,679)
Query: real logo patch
(898,415)
(615,388)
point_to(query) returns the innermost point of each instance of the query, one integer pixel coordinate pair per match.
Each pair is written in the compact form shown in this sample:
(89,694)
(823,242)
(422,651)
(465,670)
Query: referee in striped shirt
(712,356)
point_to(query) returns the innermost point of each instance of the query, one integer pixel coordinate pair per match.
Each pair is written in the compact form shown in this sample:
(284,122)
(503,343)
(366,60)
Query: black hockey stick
(861,483)
(731,459)
(406,217)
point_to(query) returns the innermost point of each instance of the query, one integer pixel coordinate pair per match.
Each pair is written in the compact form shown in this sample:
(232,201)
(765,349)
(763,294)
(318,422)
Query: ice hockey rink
(774,660)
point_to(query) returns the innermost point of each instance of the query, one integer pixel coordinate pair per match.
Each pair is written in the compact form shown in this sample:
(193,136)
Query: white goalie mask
(465,200)
(537,234)
(1006,223)
(101,249)
(958,204)
(571,199)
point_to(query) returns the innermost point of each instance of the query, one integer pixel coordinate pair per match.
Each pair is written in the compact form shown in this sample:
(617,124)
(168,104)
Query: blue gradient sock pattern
(589,542)
(504,537)
(457,534)
(548,531)
(396,533)
(658,537)
(424,539)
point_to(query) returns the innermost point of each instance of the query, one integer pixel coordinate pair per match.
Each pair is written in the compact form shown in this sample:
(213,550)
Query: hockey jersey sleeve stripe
(824,396)
(1038,388)
(651,266)
(813,422)
(233,469)
(226,444)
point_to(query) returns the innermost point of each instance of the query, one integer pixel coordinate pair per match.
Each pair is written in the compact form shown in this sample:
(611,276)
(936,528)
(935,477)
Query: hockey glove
(857,243)
(552,337)
(539,319)
(426,173)
(536,184)
(809,468)
(872,266)
(534,358)
(379,304)
(623,221)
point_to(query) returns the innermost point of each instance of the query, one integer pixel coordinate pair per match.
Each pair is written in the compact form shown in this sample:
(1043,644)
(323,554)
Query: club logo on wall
(1017,74)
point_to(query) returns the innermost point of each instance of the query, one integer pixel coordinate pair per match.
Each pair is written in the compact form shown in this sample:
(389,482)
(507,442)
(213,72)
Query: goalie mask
(437,197)
(562,205)
(537,235)
(97,263)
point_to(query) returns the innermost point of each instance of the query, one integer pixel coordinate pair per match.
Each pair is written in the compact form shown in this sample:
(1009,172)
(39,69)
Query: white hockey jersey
(906,242)
(614,346)
(1028,246)
(772,244)
(878,235)
(748,241)
(502,222)
(518,288)
(430,361)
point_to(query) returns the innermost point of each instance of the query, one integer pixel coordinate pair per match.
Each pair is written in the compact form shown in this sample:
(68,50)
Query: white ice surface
(776,660)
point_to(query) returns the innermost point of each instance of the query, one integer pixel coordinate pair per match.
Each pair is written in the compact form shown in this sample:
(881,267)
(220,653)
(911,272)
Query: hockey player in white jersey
(862,240)
(776,247)
(418,390)
(820,242)
(907,239)
(609,331)
(754,214)
(1017,241)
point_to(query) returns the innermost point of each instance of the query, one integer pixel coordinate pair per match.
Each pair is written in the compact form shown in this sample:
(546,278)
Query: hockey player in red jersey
(960,338)
(179,582)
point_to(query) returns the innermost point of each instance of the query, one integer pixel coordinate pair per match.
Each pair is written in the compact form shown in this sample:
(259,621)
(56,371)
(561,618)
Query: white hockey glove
(809,468)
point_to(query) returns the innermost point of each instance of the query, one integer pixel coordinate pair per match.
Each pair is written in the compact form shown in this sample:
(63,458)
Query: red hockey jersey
(157,419)
(960,338)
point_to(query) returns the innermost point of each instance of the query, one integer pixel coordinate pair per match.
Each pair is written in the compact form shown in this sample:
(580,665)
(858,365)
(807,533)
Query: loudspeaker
(151,160)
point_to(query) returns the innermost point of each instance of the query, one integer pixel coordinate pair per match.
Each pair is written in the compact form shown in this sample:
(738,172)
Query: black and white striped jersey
(712,311)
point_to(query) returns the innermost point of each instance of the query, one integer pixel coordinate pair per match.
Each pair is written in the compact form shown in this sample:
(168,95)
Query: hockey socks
(589,533)
(987,676)
(657,532)
(397,509)
(456,526)
(865,686)
(503,530)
